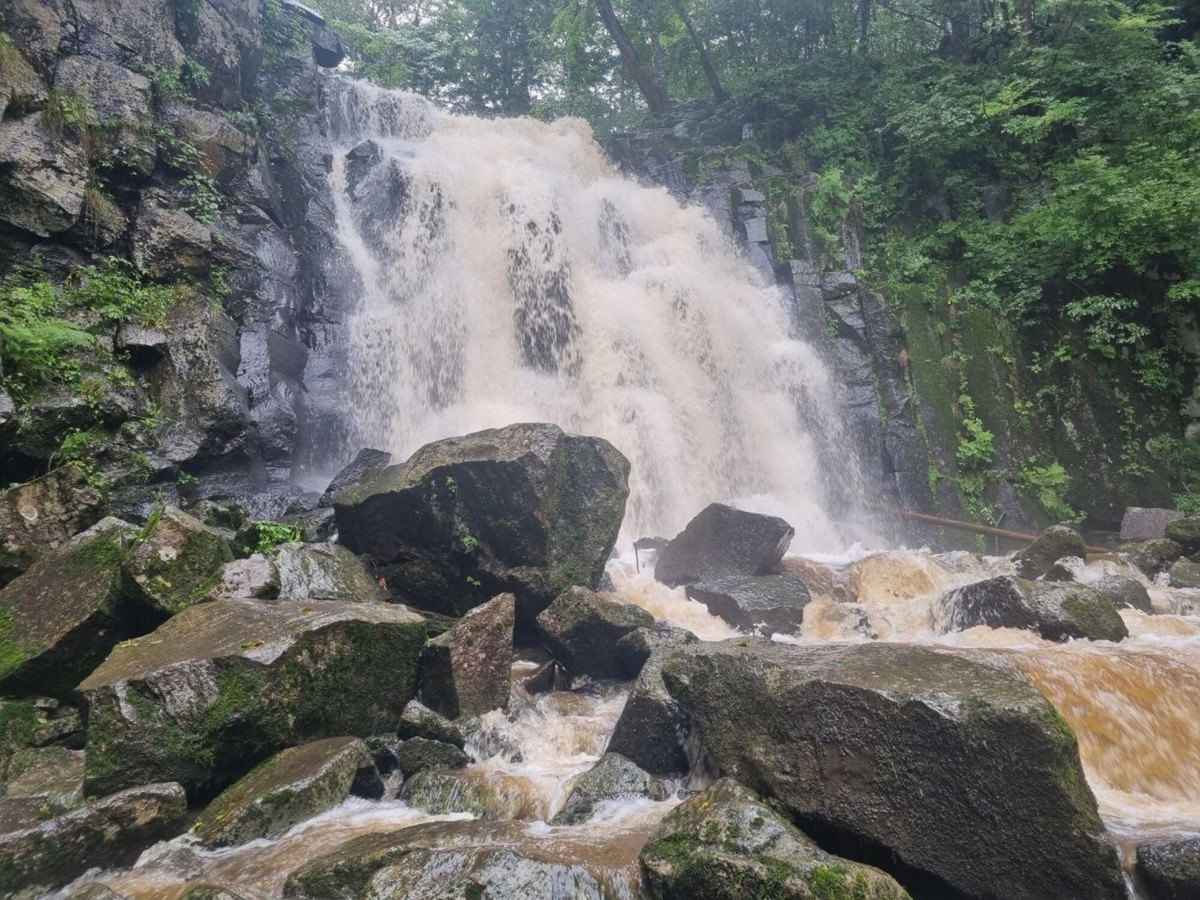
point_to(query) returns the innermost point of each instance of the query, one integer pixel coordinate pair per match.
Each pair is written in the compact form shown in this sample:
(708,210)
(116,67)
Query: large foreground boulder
(225,684)
(726,844)
(110,832)
(1169,870)
(527,509)
(42,514)
(470,860)
(768,604)
(290,787)
(722,541)
(928,764)
(59,620)
(466,670)
(1055,610)
(581,629)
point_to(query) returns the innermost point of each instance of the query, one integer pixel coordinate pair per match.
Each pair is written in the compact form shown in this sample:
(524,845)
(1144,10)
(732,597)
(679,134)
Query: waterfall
(505,273)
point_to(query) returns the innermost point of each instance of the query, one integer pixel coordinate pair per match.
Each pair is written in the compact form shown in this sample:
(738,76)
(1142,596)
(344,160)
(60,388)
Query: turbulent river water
(507,274)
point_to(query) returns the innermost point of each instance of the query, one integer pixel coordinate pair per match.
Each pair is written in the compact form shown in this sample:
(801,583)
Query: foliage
(265,537)
(1048,485)
(117,291)
(1180,457)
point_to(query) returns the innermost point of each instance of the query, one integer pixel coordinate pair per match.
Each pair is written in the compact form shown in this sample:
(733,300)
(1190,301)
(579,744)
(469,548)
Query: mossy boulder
(1055,610)
(466,671)
(526,509)
(223,685)
(418,754)
(324,572)
(927,763)
(440,793)
(1051,545)
(51,774)
(1186,533)
(1152,557)
(1169,870)
(767,604)
(652,729)
(581,629)
(61,618)
(288,788)
(612,778)
(418,720)
(726,844)
(1185,574)
(110,832)
(1125,593)
(468,860)
(41,515)
(722,541)
(175,560)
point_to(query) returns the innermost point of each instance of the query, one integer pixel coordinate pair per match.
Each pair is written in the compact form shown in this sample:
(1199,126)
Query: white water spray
(507,274)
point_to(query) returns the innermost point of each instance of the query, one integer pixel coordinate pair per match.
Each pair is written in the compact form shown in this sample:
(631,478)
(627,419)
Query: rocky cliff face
(179,144)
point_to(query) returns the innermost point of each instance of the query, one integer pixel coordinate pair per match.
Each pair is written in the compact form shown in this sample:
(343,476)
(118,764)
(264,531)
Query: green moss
(13,653)
(232,701)
(106,550)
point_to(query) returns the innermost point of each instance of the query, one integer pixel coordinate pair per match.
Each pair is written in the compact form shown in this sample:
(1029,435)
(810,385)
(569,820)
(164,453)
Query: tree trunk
(652,90)
(706,63)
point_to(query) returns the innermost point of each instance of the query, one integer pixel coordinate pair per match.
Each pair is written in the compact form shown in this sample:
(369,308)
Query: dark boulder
(327,47)
(110,832)
(726,844)
(1186,533)
(1001,602)
(366,461)
(1051,545)
(723,541)
(652,728)
(418,720)
(466,670)
(291,786)
(225,684)
(1125,593)
(946,771)
(612,778)
(526,509)
(1169,870)
(763,603)
(581,629)
(1055,610)
(418,754)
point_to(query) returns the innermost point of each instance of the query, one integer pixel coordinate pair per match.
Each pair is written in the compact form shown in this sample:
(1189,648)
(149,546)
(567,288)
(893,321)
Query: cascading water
(507,274)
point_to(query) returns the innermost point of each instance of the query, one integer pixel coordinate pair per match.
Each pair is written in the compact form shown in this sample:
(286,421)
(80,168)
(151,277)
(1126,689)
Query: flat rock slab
(1147,523)
(948,767)
(225,684)
(727,836)
(466,671)
(291,786)
(767,604)
(722,541)
(110,832)
(525,509)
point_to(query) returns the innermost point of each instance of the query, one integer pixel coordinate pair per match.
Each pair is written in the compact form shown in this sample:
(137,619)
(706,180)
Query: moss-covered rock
(61,618)
(1055,610)
(466,670)
(290,787)
(924,760)
(418,754)
(612,778)
(51,774)
(652,728)
(175,560)
(722,541)
(223,685)
(109,832)
(1067,610)
(581,629)
(440,793)
(526,509)
(1186,533)
(324,572)
(1152,557)
(418,720)
(1185,574)
(1051,545)
(1125,593)
(41,515)
(726,844)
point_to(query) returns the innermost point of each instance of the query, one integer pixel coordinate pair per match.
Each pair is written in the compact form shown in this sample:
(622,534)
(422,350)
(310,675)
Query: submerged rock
(109,832)
(725,843)
(612,778)
(722,541)
(768,604)
(527,509)
(465,861)
(60,619)
(175,561)
(652,728)
(222,685)
(891,577)
(1051,545)
(1055,610)
(465,672)
(291,786)
(1169,870)
(953,769)
(581,629)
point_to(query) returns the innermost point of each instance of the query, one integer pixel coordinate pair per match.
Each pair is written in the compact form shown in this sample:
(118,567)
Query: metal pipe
(978,529)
